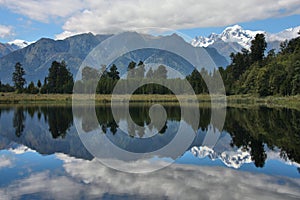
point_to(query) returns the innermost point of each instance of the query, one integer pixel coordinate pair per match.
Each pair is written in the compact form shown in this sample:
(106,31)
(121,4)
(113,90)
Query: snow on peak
(233,33)
(243,37)
(20,43)
(286,34)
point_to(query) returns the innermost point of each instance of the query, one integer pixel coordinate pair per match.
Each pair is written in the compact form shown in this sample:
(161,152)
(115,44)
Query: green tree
(262,82)
(296,79)
(39,84)
(89,73)
(150,73)
(131,71)
(59,79)
(113,72)
(32,89)
(160,72)
(18,77)
(140,70)
(258,47)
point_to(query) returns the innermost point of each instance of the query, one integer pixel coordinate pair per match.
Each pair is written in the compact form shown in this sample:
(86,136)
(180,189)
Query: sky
(31,20)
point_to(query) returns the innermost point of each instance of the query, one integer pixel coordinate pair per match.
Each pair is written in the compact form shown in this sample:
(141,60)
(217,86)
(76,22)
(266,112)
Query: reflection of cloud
(5,161)
(89,179)
(56,187)
(275,155)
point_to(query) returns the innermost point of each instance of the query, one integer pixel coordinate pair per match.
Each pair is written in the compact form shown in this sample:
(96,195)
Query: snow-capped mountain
(9,47)
(231,34)
(286,34)
(243,37)
(19,44)
(234,38)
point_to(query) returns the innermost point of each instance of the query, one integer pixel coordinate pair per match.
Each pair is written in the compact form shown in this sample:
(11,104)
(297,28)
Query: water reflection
(18,121)
(251,133)
(253,129)
(42,156)
(84,179)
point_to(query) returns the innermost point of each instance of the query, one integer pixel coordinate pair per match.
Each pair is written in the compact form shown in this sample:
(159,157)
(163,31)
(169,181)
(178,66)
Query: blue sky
(30,20)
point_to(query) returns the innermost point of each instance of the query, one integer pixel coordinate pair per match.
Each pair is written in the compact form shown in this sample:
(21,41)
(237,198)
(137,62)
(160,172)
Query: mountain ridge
(36,58)
(234,38)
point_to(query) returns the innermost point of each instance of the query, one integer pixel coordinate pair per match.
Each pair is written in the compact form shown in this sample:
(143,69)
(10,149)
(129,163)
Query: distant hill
(36,58)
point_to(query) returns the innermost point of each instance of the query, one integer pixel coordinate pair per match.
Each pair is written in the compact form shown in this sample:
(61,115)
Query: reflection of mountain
(250,134)
(45,129)
(231,158)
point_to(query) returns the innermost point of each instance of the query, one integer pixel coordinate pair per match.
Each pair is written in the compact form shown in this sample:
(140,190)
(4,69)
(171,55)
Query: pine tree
(59,79)
(258,47)
(113,72)
(39,84)
(18,77)
(150,73)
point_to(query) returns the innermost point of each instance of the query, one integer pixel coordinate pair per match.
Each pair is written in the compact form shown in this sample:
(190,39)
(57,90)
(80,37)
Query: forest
(253,71)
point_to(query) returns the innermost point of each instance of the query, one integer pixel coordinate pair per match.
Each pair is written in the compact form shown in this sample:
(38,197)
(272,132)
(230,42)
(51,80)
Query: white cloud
(89,179)
(5,161)
(5,31)
(110,16)
(43,10)
(65,34)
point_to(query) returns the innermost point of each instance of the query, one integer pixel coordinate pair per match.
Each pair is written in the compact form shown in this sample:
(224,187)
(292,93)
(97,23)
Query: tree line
(254,72)
(59,80)
(250,72)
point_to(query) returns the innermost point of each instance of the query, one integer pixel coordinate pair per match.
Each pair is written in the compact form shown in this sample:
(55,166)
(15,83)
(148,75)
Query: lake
(256,155)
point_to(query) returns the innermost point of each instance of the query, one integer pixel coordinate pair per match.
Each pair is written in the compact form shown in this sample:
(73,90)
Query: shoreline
(232,101)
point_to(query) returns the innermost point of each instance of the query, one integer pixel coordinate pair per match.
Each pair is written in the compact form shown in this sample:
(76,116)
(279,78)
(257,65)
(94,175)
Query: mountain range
(9,47)
(36,57)
(234,38)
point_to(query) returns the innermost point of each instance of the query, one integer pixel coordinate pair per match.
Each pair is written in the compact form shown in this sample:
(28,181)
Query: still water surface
(256,155)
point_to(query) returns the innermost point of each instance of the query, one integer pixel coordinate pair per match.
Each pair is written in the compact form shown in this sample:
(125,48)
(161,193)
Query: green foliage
(59,79)
(160,73)
(6,88)
(258,47)
(39,84)
(197,82)
(113,72)
(254,128)
(32,89)
(18,77)
(275,74)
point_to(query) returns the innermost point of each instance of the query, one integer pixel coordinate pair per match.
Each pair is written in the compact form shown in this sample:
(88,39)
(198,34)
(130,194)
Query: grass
(233,101)
(270,101)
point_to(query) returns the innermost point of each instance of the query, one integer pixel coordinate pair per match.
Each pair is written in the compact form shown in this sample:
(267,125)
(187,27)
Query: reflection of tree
(140,116)
(254,128)
(59,119)
(18,121)
(164,128)
(258,153)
